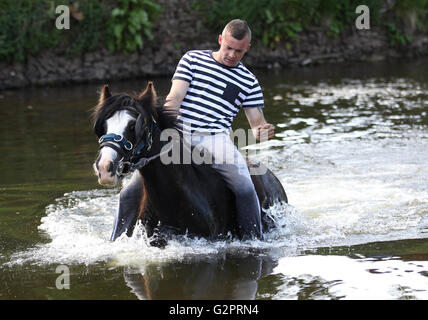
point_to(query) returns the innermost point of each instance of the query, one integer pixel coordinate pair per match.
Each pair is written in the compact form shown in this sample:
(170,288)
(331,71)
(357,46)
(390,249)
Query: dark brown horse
(177,198)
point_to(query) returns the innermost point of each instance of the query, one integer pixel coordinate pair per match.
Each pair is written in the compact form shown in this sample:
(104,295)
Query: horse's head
(119,122)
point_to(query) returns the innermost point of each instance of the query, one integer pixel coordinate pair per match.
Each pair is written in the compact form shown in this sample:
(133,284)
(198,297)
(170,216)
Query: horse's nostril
(110,167)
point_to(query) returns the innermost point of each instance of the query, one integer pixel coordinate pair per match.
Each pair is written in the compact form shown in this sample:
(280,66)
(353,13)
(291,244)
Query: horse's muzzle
(106,172)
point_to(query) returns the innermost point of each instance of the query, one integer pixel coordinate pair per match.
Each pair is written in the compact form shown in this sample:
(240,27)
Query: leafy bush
(28,26)
(280,21)
(86,33)
(270,20)
(396,36)
(129,20)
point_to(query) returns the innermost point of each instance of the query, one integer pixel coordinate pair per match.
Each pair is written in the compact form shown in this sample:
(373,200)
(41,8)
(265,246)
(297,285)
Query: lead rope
(145,161)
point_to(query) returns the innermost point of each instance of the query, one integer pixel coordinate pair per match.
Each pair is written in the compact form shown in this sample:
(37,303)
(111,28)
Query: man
(208,88)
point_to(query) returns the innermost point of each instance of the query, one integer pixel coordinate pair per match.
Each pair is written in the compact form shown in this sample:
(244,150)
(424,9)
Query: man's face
(231,50)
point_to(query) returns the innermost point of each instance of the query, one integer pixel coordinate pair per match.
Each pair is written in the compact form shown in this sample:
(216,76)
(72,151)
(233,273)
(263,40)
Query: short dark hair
(238,29)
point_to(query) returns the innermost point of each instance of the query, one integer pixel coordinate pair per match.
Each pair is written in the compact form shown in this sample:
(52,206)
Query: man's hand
(261,129)
(264,132)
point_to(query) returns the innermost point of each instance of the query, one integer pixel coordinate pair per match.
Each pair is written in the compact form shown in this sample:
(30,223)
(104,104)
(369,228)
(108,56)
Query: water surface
(351,149)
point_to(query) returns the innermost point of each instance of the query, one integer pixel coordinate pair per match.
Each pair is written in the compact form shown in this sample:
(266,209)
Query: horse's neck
(173,165)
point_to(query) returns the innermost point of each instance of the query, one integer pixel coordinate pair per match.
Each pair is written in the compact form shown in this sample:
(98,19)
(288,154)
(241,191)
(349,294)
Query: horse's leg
(129,203)
(268,187)
(150,222)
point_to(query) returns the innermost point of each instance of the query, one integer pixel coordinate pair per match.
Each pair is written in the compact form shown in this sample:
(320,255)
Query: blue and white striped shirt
(216,92)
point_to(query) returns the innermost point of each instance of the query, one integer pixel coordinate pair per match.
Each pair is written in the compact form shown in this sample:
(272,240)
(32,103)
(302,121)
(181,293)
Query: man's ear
(220,38)
(248,48)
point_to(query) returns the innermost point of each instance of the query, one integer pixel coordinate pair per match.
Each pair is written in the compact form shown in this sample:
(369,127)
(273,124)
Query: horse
(173,198)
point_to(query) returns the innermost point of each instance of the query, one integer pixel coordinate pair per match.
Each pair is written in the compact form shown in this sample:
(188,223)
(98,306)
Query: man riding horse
(208,89)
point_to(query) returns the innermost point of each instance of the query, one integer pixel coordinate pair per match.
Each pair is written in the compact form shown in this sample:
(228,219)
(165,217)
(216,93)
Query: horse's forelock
(107,107)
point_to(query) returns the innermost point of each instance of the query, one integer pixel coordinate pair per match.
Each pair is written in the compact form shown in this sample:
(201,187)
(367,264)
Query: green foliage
(273,21)
(409,5)
(341,15)
(28,26)
(128,22)
(412,13)
(396,36)
(270,20)
(85,34)
(281,21)
(407,16)
(25,27)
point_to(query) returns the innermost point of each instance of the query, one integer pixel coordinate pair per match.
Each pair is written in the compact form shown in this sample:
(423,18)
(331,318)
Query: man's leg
(231,165)
(247,202)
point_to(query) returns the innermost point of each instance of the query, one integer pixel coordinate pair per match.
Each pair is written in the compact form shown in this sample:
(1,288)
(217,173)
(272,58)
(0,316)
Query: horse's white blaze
(115,124)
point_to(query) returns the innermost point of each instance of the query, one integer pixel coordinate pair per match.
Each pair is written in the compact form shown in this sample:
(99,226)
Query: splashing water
(79,226)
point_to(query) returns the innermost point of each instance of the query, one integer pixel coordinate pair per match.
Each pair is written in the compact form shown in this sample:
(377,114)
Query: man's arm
(176,94)
(261,129)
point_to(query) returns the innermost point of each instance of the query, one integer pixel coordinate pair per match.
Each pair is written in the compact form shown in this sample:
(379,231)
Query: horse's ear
(148,96)
(97,115)
(105,94)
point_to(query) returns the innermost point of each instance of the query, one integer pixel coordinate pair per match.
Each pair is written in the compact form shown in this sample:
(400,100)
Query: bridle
(130,154)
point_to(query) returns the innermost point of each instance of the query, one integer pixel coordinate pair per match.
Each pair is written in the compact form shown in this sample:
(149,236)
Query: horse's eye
(132,127)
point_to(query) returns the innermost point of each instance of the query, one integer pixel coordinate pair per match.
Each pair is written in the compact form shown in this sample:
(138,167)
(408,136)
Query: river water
(351,149)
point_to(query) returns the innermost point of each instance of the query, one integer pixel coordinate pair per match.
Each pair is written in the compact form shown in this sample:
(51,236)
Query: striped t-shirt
(216,92)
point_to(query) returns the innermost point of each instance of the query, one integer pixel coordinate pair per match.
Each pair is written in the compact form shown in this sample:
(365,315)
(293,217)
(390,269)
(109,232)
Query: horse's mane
(152,105)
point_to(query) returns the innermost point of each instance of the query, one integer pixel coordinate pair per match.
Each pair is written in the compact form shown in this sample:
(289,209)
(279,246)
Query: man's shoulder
(197,53)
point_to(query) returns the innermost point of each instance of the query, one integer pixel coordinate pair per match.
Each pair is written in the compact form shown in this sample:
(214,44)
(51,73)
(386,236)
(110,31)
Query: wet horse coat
(168,198)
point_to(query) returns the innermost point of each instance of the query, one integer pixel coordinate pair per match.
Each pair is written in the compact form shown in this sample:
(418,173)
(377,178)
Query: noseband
(122,146)
(125,146)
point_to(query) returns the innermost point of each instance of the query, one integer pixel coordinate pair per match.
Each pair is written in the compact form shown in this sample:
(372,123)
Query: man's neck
(215,56)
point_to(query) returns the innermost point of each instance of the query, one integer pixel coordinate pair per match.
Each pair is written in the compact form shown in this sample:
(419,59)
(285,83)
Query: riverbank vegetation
(28,26)
(277,22)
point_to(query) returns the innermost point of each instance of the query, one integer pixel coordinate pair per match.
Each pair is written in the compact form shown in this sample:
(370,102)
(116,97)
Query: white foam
(355,279)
